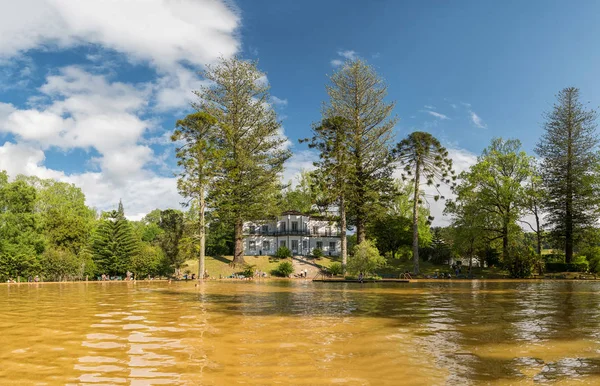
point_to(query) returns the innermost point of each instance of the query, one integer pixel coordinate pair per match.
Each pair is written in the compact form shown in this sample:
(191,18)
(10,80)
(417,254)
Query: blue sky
(90,90)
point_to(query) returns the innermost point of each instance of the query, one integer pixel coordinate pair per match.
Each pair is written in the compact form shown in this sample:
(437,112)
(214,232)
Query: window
(265,229)
(281,243)
(305,245)
(266,245)
(332,246)
(320,245)
(282,226)
(295,246)
(252,245)
(295,225)
(316,230)
(252,229)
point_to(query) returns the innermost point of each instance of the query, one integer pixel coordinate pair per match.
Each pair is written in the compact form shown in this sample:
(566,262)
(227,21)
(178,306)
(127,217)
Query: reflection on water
(438,332)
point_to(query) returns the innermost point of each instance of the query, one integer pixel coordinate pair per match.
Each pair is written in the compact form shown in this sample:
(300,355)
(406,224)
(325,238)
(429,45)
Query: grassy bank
(221,266)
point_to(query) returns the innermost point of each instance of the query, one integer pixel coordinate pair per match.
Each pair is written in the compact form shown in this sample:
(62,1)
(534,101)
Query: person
(193,276)
(360,277)
(305,273)
(36,278)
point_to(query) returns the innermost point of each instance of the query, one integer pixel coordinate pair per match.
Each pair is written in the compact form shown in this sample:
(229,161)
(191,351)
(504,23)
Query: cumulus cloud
(300,161)
(77,108)
(278,101)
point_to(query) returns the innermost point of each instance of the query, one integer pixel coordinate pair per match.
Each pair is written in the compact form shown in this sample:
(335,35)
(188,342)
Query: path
(301,263)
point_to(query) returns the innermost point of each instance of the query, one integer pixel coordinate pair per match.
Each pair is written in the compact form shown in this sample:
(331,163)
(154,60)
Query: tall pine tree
(249,142)
(356,94)
(569,169)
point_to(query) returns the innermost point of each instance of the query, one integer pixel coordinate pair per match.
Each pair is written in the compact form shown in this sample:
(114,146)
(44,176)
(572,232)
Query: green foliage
(60,264)
(302,196)
(357,133)
(284,269)
(365,259)
(439,250)
(114,244)
(283,252)
(522,261)
(171,223)
(423,158)
(570,169)
(249,270)
(247,138)
(582,266)
(150,261)
(335,269)
(317,253)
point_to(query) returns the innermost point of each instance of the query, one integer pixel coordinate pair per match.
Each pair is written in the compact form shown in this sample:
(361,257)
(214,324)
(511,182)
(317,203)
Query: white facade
(298,232)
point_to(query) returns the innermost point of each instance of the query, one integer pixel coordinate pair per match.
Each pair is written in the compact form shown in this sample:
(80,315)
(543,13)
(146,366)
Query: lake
(299,332)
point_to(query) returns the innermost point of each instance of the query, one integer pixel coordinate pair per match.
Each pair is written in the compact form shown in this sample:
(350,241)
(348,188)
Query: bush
(317,253)
(284,269)
(522,261)
(283,252)
(567,267)
(335,269)
(554,257)
(366,259)
(249,271)
(592,256)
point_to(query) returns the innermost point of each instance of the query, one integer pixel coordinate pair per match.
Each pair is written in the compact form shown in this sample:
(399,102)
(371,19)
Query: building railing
(290,232)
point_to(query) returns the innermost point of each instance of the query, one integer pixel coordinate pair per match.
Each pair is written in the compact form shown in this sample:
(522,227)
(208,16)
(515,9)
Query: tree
(468,224)
(356,96)
(171,222)
(20,240)
(365,259)
(199,158)
(423,158)
(493,190)
(570,171)
(300,198)
(534,199)
(114,244)
(333,173)
(250,144)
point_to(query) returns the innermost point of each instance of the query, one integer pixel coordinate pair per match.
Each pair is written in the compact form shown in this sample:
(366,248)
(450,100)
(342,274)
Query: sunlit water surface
(422,333)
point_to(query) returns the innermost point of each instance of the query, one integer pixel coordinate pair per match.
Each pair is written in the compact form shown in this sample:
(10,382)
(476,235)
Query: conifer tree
(114,243)
(569,169)
(250,143)
(356,94)
(423,159)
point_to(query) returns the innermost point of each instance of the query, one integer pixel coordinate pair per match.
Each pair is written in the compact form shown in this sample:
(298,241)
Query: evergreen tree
(356,95)
(249,143)
(199,157)
(114,244)
(171,222)
(334,172)
(570,166)
(423,159)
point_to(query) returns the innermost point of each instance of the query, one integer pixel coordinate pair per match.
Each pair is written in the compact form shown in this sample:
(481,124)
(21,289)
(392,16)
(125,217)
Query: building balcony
(291,232)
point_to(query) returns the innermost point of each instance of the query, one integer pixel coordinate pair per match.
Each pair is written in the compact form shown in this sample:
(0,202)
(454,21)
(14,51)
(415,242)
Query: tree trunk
(416,221)
(343,244)
(201,259)
(538,234)
(505,241)
(238,255)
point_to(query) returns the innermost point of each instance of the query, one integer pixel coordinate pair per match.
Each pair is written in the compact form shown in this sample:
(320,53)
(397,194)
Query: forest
(526,213)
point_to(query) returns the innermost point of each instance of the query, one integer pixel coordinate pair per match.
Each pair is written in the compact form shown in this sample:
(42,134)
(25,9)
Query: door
(295,246)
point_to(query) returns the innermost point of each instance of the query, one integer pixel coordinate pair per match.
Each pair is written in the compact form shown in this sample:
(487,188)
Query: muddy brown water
(299,332)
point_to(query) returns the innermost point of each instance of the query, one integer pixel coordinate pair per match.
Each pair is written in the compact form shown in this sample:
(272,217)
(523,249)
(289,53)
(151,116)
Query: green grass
(222,266)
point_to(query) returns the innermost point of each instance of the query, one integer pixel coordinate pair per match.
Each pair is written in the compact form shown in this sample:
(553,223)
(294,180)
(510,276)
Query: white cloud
(437,115)
(477,121)
(430,107)
(300,161)
(348,54)
(453,105)
(278,101)
(161,32)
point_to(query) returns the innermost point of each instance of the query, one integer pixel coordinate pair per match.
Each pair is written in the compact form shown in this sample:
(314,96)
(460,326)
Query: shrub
(317,253)
(335,269)
(592,255)
(365,259)
(249,271)
(284,269)
(283,252)
(521,262)
(567,267)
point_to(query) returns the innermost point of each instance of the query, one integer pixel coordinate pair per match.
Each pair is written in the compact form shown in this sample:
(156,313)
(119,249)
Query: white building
(299,232)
